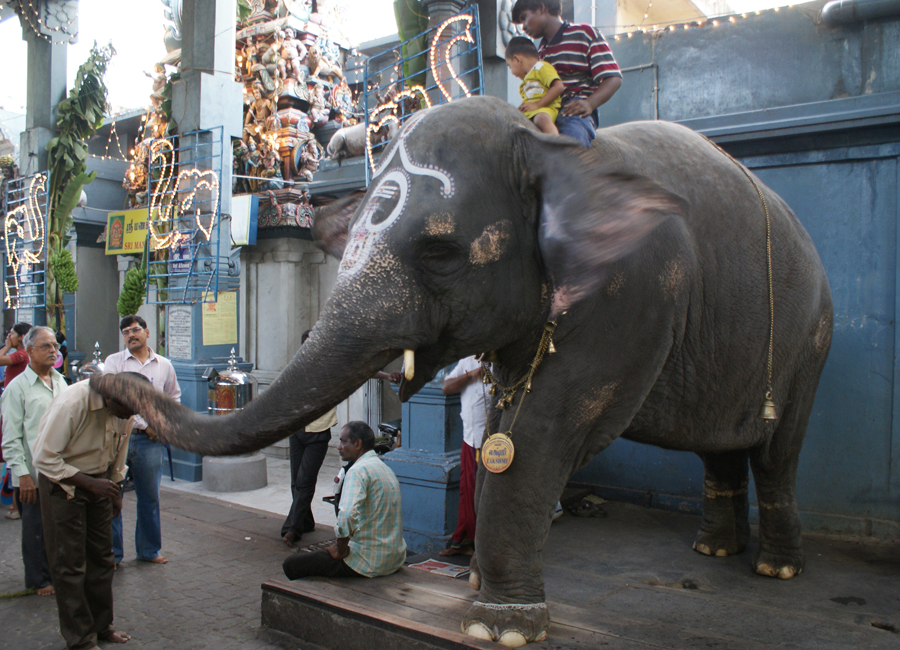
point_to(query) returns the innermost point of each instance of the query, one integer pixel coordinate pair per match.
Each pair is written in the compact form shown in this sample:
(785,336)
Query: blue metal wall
(815,112)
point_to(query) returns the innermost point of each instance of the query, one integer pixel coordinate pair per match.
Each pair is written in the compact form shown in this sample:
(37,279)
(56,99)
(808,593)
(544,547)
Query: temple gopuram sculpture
(290,57)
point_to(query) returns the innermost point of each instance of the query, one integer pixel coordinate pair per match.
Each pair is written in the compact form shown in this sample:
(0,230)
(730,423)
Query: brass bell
(502,404)
(552,348)
(492,390)
(767,410)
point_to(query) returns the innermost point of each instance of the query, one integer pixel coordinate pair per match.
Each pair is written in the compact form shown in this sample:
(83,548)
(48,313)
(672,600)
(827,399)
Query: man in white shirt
(465,379)
(145,453)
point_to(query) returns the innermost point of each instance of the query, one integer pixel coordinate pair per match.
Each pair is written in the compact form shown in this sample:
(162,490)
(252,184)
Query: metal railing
(184,228)
(439,65)
(25,239)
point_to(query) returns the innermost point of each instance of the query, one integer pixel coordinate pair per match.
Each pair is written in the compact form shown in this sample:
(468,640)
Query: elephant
(646,258)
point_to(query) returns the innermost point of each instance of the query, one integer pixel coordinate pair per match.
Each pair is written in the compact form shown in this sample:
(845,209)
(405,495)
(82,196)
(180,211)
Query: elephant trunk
(326,370)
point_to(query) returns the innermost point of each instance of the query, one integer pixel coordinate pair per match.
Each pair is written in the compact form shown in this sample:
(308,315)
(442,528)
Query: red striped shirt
(582,59)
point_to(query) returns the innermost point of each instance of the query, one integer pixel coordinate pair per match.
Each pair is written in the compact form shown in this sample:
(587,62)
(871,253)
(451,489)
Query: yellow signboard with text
(220,319)
(126,231)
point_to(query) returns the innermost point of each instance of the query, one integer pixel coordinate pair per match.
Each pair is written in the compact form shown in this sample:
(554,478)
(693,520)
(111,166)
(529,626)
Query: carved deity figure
(252,165)
(270,166)
(308,162)
(250,52)
(240,151)
(319,109)
(342,101)
(258,112)
(321,64)
(292,54)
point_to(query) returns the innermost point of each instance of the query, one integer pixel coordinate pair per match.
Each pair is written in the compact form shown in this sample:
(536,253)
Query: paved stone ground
(208,596)
(220,552)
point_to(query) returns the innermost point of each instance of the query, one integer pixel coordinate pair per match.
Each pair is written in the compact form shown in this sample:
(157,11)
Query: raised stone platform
(630,581)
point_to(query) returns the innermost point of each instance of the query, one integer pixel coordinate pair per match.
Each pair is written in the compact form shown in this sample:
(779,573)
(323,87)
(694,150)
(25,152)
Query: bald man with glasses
(23,404)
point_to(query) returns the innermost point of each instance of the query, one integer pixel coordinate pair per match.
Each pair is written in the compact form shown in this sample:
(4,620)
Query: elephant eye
(443,258)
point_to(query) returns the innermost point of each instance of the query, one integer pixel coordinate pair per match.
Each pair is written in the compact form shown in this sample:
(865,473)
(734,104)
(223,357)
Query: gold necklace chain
(509,392)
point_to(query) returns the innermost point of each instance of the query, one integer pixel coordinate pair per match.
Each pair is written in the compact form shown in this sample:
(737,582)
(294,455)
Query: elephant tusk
(409,364)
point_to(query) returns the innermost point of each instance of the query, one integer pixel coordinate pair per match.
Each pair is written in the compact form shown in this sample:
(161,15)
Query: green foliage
(242,13)
(412,20)
(78,116)
(62,214)
(63,267)
(166,106)
(133,291)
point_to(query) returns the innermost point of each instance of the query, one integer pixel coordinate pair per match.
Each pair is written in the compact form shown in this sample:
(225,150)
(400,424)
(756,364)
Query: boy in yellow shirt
(541,85)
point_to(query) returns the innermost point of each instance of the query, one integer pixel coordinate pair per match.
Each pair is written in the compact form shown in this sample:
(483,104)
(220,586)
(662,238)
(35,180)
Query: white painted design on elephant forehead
(447,183)
(391,193)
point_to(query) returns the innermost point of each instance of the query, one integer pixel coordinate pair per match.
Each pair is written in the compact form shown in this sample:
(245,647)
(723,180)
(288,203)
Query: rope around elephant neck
(770,358)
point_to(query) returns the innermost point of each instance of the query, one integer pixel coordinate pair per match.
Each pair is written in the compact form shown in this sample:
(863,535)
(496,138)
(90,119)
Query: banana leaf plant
(78,117)
(412,20)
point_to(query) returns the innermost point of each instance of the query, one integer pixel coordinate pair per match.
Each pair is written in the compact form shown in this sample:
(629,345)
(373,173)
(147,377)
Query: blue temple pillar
(427,467)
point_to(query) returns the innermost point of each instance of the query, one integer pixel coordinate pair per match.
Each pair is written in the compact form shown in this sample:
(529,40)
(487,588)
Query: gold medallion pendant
(497,453)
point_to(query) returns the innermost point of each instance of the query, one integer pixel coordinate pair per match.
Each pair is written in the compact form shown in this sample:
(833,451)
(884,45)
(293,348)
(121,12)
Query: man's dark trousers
(34,557)
(319,563)
(78,535)
(307,453)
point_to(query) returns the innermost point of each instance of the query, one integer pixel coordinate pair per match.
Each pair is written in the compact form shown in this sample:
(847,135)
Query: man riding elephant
(679,294)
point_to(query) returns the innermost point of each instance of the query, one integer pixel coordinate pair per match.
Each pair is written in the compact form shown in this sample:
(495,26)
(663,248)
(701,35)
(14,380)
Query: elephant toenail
(513,639)
(765,569)
(479,631)
(702,548)
(786,573)
(721,553)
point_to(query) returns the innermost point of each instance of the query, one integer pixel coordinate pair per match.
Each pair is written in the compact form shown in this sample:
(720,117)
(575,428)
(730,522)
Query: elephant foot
(709,543)
(778,565)
(511,624)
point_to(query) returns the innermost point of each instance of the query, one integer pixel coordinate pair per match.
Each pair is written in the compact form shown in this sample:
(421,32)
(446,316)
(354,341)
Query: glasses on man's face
(132,330)
(46,347)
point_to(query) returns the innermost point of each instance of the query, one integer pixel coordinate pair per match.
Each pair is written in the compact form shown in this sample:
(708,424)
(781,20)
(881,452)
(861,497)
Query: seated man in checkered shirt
(370,524)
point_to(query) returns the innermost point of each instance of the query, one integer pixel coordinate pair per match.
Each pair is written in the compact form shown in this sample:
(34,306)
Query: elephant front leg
(725,529)
(514,515)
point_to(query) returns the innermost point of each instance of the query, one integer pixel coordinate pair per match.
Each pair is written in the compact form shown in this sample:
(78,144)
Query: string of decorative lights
(646,13)
(466,35)
(26,222)
(391,105)
(106,156)
(35,15)
(162,215)
(695,22)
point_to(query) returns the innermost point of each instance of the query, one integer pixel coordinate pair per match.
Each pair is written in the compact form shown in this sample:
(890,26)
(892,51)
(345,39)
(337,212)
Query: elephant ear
(589,217)
(331,223)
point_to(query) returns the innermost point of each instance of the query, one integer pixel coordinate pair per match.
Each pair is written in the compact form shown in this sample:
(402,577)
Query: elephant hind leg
(725,528)
(774,468)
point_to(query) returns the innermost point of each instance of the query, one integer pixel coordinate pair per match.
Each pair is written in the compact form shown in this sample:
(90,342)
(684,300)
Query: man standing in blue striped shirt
(370,522)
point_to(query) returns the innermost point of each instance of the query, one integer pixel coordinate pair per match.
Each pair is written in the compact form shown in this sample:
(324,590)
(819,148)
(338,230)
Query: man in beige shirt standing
(80,458)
